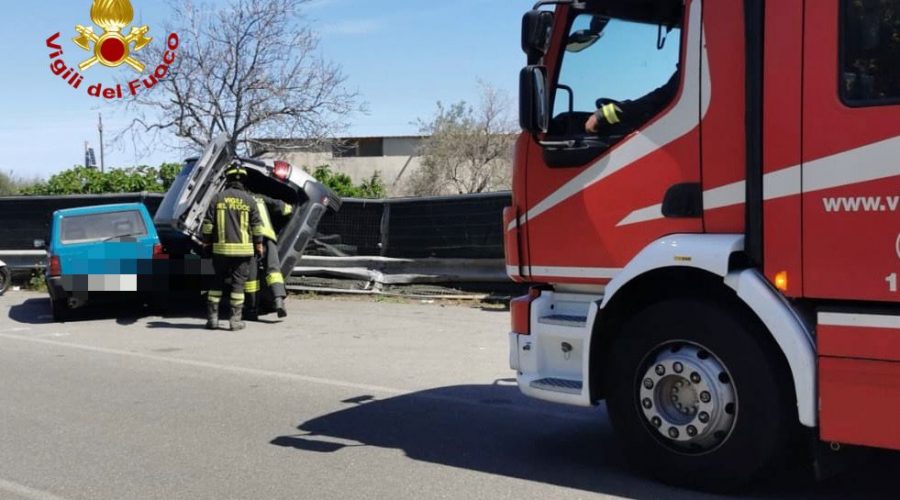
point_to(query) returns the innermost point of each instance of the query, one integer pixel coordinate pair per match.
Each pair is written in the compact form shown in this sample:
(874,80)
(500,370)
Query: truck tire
(698,396)
(5,279)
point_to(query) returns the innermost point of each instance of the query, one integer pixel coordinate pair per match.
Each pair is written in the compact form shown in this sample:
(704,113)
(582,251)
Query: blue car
(99,252)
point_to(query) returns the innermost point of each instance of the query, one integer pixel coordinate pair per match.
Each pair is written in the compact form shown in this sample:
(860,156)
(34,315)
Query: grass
(37,283)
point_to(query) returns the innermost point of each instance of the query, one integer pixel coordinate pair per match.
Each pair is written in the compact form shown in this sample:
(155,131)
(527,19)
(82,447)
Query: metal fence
(442,232)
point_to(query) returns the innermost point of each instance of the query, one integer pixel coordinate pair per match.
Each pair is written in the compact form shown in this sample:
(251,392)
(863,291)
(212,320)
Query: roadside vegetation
(343,185)
(84,180)
(12,184)
(36,282)
(468,148)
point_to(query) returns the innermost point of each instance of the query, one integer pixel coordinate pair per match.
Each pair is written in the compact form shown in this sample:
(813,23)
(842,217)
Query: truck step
(564,320)
(557,385)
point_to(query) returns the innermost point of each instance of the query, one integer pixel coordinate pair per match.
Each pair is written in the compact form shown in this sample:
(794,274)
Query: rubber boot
(212,315)
(235,322)
(279,307)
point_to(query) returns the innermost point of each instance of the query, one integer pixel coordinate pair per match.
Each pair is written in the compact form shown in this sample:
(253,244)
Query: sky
(401,55)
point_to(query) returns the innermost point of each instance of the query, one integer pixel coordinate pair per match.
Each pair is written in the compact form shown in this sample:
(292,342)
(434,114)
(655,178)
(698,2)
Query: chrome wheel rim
(687,397)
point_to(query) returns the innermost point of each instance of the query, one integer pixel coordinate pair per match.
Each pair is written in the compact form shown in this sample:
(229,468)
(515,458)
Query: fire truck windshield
(630,65)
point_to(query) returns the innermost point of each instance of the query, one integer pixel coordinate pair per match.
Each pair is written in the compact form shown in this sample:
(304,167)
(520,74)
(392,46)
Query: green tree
(83,180)
(168,172)
(342,184)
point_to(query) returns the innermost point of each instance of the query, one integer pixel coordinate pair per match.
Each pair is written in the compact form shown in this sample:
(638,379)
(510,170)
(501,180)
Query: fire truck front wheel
(696,394)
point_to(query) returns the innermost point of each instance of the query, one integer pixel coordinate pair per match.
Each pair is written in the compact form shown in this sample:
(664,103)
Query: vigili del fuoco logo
(111,48)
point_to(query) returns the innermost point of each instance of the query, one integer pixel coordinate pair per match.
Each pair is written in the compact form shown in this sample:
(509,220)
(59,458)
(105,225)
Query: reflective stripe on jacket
(232,223)
(267,205)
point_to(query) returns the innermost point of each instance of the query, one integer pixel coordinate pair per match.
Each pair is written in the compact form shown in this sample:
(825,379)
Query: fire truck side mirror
(533,101)
(537,26)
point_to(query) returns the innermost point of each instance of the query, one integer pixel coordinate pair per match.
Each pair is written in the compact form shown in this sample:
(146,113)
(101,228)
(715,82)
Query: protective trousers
(273,278)
(231,275)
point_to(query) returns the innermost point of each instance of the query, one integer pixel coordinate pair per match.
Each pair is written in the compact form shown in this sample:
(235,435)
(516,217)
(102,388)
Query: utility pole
(100,128)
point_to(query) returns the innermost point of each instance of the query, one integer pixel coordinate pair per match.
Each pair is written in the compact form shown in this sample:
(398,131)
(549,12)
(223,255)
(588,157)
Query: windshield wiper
(123,236)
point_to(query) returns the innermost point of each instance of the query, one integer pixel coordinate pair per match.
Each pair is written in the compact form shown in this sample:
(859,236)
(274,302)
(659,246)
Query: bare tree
(250,69)
(468,150)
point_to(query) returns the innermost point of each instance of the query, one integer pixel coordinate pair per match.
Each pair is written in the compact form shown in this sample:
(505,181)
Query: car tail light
(159,252)
(520,307)
(55,267)
(282,170)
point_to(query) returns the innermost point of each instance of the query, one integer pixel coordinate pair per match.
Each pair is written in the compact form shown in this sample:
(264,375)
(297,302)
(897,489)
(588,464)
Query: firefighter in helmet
(272,264)
(233,228)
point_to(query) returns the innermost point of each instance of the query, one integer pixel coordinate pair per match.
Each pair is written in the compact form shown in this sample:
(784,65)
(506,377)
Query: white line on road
(26,492)
(215,366)
(289,376)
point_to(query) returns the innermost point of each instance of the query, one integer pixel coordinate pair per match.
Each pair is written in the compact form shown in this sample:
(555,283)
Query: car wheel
(60,310)
(5,279)
(698,396)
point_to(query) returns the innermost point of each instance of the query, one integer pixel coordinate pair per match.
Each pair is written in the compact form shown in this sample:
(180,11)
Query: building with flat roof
(394,157)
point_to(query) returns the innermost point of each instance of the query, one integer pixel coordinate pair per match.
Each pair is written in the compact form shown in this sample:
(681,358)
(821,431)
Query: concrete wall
(399,160)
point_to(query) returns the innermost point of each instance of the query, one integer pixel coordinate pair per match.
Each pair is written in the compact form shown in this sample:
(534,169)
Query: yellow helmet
(235,171)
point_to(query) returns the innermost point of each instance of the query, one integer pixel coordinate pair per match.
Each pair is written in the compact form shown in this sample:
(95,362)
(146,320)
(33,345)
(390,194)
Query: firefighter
(272,264)
(624,117)
(233,228)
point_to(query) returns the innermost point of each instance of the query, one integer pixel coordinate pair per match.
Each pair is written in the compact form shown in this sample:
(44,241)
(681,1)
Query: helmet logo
(111,48)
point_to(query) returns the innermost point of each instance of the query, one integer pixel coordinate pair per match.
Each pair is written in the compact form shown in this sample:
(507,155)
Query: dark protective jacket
(232,223)
(626,116)
(266,206)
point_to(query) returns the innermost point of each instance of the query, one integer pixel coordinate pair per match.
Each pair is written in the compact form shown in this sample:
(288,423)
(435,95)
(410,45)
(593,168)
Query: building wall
(359,169)
(402,146)
(399,160)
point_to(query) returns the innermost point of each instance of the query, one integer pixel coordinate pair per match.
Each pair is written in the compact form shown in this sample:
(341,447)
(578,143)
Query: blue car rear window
(102,226)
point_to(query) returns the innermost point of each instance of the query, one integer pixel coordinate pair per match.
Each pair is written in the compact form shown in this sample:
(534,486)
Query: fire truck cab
(706,199)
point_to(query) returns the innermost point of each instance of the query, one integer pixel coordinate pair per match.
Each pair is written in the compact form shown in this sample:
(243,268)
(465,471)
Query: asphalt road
(343,399)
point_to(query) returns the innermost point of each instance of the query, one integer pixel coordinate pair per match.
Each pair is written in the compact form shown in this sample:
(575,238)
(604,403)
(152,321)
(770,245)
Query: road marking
(26,492)
(564,413)
(215,366)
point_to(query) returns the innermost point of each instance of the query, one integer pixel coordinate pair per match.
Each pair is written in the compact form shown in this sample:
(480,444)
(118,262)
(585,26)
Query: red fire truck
(706,197)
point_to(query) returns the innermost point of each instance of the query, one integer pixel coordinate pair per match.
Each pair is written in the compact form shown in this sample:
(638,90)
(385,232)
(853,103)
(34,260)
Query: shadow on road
(32,312)
(495,430)
(36,311)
